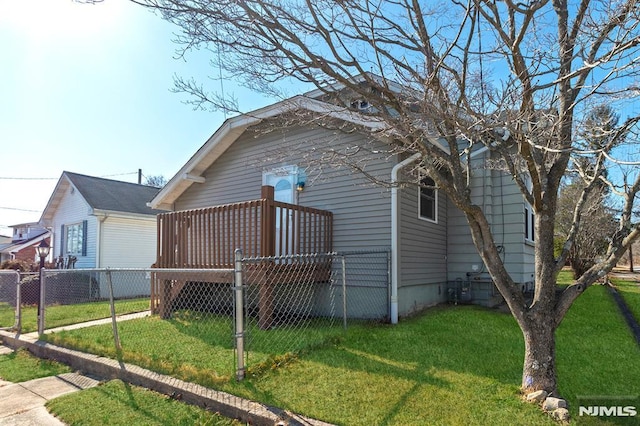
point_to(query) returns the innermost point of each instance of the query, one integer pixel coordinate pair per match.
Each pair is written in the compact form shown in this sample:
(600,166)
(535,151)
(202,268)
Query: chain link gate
(363,284)
(299,301)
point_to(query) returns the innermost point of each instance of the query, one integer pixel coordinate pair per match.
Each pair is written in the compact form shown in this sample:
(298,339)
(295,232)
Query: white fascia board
(193,178)
(123,215)
(54,200)
(340,113)
(198,163)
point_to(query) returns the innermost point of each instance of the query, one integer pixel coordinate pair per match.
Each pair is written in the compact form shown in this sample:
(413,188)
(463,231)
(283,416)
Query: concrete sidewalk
(22,404)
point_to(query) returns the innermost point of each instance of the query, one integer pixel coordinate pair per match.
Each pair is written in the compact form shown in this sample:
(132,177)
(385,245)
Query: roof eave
(231,130)
(54,200)
(123,215)
(14,248)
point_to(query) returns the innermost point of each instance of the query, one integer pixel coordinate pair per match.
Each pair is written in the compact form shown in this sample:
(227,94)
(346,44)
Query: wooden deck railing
(208,237)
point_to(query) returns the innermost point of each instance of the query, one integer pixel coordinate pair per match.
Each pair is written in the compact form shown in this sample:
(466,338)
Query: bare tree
(592,240)
(158,181)
(444,79)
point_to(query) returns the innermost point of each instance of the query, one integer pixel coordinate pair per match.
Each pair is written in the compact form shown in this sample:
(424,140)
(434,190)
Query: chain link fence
(289,305)
(209,322)
(9,299)
(364,284)
(299,301)
(72,296)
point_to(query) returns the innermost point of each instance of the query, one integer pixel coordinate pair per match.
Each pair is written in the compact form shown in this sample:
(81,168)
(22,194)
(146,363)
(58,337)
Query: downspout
(100,220)
(395,232)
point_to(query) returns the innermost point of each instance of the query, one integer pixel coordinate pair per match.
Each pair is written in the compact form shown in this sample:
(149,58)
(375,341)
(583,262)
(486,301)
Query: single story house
(433,257)
(99,223)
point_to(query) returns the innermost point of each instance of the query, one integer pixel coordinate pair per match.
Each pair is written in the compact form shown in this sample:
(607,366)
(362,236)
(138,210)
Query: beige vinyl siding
(361,209)
(128,243)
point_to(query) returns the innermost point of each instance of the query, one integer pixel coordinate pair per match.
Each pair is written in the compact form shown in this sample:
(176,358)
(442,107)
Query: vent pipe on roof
(395,232)
(139,176)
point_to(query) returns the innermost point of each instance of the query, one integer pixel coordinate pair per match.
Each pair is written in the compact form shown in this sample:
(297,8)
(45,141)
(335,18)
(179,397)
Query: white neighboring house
(101,222)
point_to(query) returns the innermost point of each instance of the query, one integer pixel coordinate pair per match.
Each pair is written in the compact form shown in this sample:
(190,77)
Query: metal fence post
(344,292)
(18,304)
(11,295)
(42,282)
(389,283)
(114,321)
(239,315)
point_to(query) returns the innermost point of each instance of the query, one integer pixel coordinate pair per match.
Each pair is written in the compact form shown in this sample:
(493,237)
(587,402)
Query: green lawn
(60,315)
(199,349)
(597,355)
(119,404)
(630,292)
(114,403)
(450,365)
(7,315)
(20,366)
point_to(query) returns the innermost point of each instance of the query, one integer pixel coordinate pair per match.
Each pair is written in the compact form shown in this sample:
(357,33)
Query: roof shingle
(113,195)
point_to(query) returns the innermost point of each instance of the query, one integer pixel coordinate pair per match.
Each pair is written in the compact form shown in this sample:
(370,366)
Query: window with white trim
(529,226)
(428,200)
(529,215)
(75,239)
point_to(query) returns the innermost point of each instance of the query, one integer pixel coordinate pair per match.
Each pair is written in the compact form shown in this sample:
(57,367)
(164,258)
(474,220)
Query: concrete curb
(224,403)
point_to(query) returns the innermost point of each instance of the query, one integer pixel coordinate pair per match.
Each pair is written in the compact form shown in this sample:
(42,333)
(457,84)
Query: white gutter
(395,227)
(101,218)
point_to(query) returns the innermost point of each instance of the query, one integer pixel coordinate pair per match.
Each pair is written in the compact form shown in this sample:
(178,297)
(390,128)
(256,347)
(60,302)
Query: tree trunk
(539,371)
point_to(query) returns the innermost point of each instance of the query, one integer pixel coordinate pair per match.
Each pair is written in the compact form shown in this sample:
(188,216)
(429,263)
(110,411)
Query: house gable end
(233,128)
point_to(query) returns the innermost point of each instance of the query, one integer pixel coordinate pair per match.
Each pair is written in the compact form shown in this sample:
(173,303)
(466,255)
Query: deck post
(268,248)
(165,299)
(268,240)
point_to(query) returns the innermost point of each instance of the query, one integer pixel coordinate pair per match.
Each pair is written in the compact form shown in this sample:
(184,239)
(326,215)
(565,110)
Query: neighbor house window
(428,200)
(529,233)
(76,239)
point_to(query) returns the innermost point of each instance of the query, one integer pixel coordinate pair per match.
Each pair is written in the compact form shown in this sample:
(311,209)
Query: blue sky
(86,89)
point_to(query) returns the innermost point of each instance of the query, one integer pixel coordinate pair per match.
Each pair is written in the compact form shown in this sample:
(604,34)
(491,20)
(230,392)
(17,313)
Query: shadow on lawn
(463,339)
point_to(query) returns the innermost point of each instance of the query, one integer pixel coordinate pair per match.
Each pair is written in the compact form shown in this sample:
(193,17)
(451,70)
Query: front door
(283,179)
